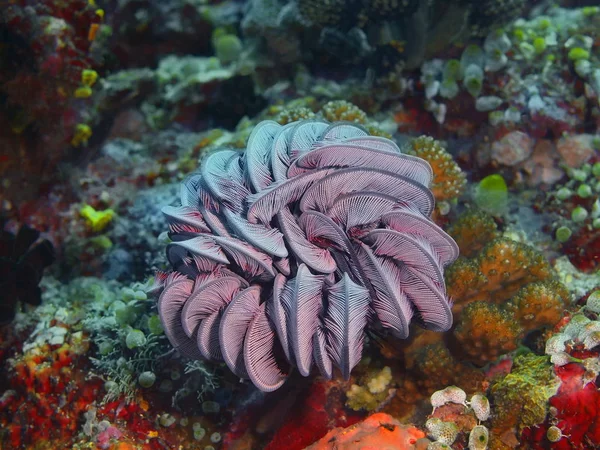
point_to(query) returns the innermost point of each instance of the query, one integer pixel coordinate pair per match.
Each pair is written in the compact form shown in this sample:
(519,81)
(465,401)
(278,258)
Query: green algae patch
(521,397)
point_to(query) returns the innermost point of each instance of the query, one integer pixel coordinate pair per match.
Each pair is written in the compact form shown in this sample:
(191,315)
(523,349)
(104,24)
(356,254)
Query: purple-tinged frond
(203,265)
(252,262)
(158,284)
(170,303)
(392,307)
(375,143)
(185,218)
(207,337)
(264,205)
(277,315)
(429,299)
(208,298)
(341,154)
(412,251)
(304,135)
(260,344)
(410,221)
(214,221)
(206,199)
(343,130)
(345,321)
(360,208)
(320,228)
(321,195)
(320,354)
(280,157)
(258,155)
(381,143)
(188,191)
(302,299)
(269,240)
(317,258)
(283,265)
(233,327)
(216,178)
(203,246)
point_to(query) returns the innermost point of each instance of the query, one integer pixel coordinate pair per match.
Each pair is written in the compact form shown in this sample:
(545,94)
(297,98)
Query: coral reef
(307,143)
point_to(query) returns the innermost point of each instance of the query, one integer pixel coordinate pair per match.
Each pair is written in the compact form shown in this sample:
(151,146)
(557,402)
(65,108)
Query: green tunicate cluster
(583,189)
(563,234)
(146,379)
(491,194)
(135,338)
(228,47)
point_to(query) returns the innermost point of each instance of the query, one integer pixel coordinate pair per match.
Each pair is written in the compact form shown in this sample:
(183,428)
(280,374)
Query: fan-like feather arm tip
(207,299)
(304,135)
(259,354)
(277,315)
(317,225)
(343,130)
(410,221)
(321,194)
(360,208)
(345,321)
(258,154)
(390,304)
(251,261)
(186,215)
(342,154)
(233,327)
(269,240)
(207,338)
(188,191)
(320,355)
(381,143)
(317,258)
(169,305)
(302,300)
(413,251)
(431,303)
(280,157)
(203,246)
(158,283)
(264,205)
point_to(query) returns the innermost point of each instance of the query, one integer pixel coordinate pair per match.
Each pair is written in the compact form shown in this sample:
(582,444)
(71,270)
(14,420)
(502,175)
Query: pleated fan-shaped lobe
(284,254)
(345,321)
(257,158)
(345,154)
(390,303)
(233,327)
(409,221)
(207,299)
(260,346)
(302,301)
(321,195)
(170,303)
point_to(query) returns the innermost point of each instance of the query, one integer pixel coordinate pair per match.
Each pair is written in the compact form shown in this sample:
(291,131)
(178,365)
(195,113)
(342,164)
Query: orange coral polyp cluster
(500,270)
(449,181)
(485,332)
(472,231)
(341,110)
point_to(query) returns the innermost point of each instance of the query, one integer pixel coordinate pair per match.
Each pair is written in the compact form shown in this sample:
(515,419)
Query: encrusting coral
(472,231)
(449,181)
(238,294)
(485,331)
(496,273)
